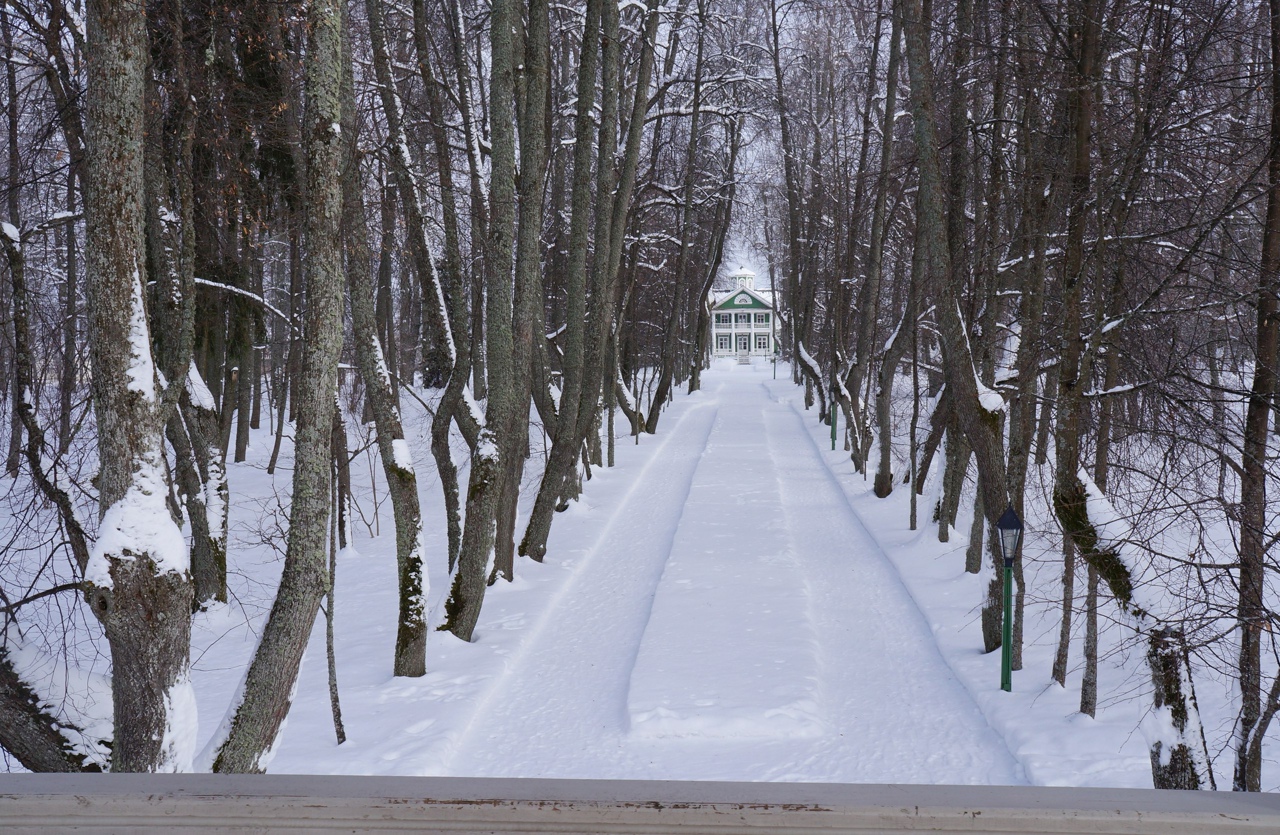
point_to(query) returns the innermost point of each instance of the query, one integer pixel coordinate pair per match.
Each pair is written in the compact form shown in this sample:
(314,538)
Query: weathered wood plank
(281,803)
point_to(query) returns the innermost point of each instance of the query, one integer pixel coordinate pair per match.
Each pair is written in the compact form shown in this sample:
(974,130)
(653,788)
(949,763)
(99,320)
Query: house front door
(744,343)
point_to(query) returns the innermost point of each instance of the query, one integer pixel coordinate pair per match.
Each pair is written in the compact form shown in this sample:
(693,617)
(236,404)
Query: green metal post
(1006,635)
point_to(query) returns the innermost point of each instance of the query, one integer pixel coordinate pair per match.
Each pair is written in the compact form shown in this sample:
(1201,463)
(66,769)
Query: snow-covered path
(732,619)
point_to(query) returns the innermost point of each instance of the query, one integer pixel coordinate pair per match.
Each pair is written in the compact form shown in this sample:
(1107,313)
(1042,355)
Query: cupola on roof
(743,277)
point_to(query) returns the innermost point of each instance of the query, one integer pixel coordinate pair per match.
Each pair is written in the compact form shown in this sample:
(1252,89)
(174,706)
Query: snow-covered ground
(730,602)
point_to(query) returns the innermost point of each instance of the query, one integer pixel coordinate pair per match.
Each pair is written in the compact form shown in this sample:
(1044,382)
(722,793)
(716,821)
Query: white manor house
(742,321)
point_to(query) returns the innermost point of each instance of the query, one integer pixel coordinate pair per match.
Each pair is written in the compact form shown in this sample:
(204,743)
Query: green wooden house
(742,323)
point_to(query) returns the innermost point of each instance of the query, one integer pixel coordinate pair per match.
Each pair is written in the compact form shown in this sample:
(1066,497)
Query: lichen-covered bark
(533,88)
(1173,766)
(268,688)
(208,529)
(1070,504)
(1177,759)
(142,589)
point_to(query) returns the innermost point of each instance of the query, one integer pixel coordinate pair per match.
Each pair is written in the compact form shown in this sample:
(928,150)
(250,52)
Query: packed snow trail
(733,620)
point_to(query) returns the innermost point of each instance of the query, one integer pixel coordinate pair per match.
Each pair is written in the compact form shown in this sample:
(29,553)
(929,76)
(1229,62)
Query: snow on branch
(266,305)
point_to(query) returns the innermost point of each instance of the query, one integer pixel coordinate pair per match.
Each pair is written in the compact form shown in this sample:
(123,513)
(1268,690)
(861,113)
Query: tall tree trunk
(267,692)
(869,295)
(533,118)
(893,354)
(1101,472)
(1089,681)
(1074,366)
(439,353)
(452,403)
(792,174)
(380,394)
(202,477)
(1062,654)
(69,379)
(671,343)
(978,411)
(1251,615)
(490,458)
(14,190)
(141,588)
(561,465)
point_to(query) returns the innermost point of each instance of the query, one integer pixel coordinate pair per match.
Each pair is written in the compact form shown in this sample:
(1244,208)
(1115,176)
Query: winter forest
(331,327)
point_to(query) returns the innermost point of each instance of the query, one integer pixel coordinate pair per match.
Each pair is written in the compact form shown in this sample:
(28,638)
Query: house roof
(728,301)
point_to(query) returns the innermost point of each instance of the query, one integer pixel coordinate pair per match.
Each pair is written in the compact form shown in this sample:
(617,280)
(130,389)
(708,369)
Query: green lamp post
(1009,535)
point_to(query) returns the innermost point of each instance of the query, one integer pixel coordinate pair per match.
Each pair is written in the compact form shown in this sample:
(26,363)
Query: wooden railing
(269,803)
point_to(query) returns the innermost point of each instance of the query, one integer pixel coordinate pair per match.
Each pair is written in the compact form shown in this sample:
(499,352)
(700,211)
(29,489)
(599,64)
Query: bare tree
(138,569)
(264,700)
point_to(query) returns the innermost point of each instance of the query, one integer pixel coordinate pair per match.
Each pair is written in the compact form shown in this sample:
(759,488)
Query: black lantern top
(1009,526)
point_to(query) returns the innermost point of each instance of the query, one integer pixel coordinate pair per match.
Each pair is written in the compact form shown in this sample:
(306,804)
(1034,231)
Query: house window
(724,318)
(762,318)
(744,343)
(762,342)
(742,299)
(722,342)
(742,318)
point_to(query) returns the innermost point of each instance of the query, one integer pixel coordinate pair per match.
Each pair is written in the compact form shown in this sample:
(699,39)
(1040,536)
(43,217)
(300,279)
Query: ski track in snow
(733,620)
(569,682)
(901,715)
